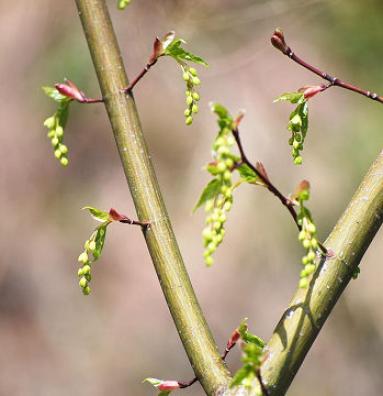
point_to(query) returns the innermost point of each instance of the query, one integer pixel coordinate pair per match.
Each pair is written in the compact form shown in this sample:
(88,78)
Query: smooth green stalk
(192,327)
(309,309)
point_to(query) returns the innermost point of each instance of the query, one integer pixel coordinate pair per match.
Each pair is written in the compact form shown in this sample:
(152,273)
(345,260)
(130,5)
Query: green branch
(309,309)
(193,330)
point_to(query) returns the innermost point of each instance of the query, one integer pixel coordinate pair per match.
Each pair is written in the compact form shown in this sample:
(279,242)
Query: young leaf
(247,174)
(98,214)
(175,50)
(292,97)
(210,191)
(122,4)
(53,93)
(99,238)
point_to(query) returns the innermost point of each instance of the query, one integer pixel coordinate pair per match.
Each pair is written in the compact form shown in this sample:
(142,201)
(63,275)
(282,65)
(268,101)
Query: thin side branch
(286,201)
(278,41)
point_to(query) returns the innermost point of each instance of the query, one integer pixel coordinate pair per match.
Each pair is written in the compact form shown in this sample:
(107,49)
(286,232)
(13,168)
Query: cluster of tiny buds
(56,134)
(192,97)
(221,168)
(84,271)
(307,236)
(297,138)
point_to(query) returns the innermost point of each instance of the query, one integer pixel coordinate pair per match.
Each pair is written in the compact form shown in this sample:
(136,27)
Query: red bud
(278,41)
(115,216)
(70,90)
(168,385)
(233,339)
(311,90)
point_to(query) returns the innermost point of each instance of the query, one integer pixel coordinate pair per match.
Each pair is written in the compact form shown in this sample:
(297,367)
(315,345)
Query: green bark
(187,315)
(302,321)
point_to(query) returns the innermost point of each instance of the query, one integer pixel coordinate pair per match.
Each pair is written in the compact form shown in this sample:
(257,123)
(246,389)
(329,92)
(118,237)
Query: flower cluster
(307,235)
(92,251)
(56,134)
(189,74)
(298,123)
(218,195)
(218,206)
(56,124)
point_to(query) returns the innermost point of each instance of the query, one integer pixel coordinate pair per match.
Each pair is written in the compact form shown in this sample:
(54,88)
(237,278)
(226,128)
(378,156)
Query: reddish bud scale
(70,91)
(311,90)
(115,216)
(278,41)
(168,385)
(233,339)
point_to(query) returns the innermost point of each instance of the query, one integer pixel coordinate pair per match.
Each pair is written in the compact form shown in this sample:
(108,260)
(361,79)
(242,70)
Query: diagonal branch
(278,41)
(309,309)
(176,286)
(286,201)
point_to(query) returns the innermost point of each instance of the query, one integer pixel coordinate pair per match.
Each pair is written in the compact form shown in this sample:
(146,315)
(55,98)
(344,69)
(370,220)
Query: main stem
(309,309)
(187,315)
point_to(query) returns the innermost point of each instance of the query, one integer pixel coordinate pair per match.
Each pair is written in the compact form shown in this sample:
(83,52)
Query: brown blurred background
(54,341)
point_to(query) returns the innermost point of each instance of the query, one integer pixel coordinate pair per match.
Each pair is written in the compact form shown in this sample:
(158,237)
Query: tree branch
(187,315)
(309,309)
(278,41)
(286,202)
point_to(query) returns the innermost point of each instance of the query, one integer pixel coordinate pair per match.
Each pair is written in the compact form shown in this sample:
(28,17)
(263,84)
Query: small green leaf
(247,174)
(240,375)
(220,110)
(122,4)
(175,50)
(99,239)
(209,192)
(54,94)
(98,214)
(292,97)
(153,381)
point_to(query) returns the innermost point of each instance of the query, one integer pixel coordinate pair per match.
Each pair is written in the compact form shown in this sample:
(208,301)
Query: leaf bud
(196,81)
(83,258)
(278,41)
(83,282)
(86,290)
(303,283)
(188,120)
(192,71)
(298,160)
(196,96)
(92,246)
(209,261)
(50,122)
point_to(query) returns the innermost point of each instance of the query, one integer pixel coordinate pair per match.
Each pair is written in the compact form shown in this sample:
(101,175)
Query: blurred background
(54,341)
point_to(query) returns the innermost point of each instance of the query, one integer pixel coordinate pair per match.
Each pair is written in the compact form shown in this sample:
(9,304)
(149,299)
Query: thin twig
(130,87)
(286,201)
(195,379)
(279,42)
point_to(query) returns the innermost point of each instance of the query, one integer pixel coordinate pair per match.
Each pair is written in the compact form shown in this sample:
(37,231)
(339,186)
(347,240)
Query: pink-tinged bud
(233,339)
(168,385)
(115,216)
(278,41)
(70,90)
(311,90)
